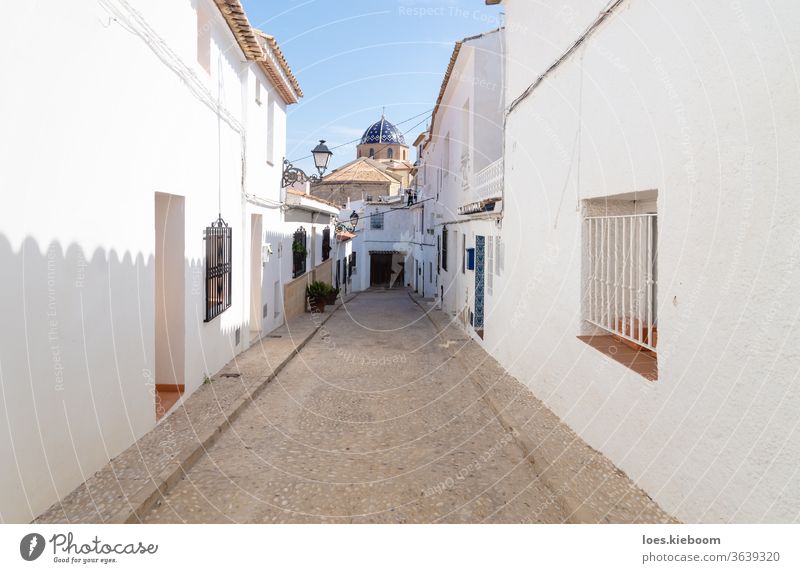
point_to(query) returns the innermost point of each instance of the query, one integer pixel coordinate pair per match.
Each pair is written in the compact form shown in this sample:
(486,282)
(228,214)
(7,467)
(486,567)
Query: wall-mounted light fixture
(292,174)
(351,228)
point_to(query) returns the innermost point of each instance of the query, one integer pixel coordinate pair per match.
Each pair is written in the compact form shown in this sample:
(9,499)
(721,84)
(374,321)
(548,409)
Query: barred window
(376,221)
(219,250)
(326,243)
(299,252)
(622,283)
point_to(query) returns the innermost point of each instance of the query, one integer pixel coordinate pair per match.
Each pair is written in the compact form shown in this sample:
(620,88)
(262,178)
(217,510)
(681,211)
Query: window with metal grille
(444,247)
(299,252)
(219,250)
(621,283)
(326,243)
(376,221)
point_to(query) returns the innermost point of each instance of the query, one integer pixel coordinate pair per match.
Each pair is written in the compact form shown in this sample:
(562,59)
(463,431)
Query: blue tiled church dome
(382,132)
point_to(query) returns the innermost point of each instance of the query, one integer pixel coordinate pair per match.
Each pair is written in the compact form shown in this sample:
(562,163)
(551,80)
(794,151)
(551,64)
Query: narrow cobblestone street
(401,433)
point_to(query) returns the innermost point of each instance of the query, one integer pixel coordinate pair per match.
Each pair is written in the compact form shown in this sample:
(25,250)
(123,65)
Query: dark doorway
(386,269)
(380,269)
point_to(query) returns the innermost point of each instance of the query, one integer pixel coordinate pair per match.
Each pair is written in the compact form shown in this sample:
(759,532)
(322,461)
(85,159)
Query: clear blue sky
(352,57)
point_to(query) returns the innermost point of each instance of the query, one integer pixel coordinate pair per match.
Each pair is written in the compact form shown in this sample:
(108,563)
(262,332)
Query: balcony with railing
(483,189)
(487,184)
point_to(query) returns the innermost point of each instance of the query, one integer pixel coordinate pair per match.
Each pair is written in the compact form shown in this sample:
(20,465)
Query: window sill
(643,362)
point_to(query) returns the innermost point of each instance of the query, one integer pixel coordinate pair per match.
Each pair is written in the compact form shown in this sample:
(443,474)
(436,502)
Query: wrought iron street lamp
(292,174)
(321,155)
(342,226)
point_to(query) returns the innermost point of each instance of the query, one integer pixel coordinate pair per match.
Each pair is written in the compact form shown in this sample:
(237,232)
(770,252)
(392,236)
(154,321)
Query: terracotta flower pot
(316,304)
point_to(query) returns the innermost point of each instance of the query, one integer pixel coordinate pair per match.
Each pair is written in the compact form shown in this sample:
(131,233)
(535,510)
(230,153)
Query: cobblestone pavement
(378,420)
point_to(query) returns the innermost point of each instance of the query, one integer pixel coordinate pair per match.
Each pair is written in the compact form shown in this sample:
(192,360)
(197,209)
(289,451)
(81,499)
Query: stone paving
(131,482)
(389,415)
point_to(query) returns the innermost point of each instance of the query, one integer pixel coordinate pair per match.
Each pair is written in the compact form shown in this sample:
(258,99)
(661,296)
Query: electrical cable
(403,208)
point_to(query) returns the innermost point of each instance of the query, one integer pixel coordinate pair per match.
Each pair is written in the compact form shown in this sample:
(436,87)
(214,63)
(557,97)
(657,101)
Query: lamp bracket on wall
(292,175)
(342,226)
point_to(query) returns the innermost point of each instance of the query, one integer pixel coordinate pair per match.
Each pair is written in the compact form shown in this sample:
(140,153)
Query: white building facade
(650,194)
(383,243)
(459,178)
(112,169)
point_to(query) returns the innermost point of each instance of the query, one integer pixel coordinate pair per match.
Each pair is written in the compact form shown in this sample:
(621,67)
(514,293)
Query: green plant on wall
(299,248)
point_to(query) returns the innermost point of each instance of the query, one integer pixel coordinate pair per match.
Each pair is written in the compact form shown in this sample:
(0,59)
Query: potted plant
(316,293)
(330,297)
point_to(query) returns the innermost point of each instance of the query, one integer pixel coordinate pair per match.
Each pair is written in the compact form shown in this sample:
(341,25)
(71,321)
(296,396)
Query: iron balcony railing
(622,278)
(488,182)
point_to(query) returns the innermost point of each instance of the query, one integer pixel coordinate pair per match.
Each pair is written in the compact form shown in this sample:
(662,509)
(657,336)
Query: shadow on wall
(77,364)
(281,258)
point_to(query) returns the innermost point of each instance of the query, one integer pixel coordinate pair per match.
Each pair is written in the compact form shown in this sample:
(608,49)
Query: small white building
(120,297)
(383,242)
(650,201)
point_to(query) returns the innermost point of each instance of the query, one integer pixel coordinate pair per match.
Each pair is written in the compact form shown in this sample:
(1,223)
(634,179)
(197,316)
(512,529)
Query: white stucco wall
(466,136)
(87,147)
(697,102)
(397,234)
(262,185)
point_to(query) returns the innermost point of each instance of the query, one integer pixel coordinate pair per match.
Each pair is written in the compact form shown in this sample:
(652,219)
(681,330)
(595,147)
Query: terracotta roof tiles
(271,60)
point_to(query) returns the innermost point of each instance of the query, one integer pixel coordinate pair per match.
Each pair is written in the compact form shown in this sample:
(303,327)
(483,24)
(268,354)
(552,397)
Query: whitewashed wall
(700,103)
(466,136)
(397,234)
(86,146)
(263,187)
